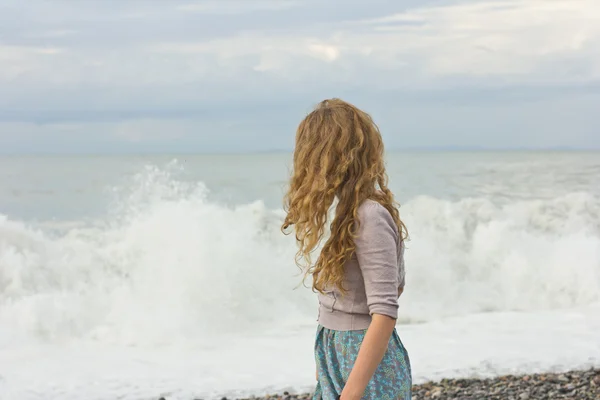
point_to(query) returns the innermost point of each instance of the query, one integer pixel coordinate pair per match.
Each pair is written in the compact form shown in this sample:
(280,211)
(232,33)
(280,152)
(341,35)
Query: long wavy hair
(339,155)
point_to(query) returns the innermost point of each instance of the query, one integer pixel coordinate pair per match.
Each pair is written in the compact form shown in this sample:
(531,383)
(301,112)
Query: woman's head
(338,154)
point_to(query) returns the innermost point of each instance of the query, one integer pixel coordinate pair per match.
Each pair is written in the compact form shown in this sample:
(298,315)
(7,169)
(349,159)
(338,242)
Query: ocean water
(135,277)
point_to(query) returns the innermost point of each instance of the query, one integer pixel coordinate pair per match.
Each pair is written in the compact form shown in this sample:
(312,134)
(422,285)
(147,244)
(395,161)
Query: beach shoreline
(573,385)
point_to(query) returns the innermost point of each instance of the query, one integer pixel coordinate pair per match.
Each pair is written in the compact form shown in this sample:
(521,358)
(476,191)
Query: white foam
(472,255)
(474,345)
(170,264)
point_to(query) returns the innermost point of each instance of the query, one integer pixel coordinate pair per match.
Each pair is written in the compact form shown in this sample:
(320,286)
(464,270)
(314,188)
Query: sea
(136,277)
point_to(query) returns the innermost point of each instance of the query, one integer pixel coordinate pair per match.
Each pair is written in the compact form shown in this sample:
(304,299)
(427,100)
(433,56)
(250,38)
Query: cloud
(509,42)
(121,64)
(16,62)
(530,41)
(325,52)
(53,33)
(569,120)
(236,6)
(153,130)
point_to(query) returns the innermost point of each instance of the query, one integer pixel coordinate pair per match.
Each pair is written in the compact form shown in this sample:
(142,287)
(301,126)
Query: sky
(239,75)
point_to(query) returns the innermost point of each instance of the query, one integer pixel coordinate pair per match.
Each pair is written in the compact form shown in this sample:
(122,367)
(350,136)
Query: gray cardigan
(373,276)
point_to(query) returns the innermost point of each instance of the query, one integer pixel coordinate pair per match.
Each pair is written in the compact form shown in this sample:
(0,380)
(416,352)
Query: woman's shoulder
(376,226)
(371,213)
(372,208)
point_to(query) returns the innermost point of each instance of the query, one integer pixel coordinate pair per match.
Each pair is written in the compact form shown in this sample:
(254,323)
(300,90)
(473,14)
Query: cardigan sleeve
(377,254)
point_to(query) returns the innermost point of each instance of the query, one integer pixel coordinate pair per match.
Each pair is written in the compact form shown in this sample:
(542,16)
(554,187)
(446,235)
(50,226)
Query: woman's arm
(377,253)
(370,355)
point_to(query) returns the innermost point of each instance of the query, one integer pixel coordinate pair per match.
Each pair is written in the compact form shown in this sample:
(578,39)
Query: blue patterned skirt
(336,352)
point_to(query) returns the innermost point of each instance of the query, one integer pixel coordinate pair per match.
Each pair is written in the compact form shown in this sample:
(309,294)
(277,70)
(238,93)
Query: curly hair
(339,155)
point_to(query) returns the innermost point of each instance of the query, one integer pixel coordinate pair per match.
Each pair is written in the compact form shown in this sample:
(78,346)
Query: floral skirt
(336,352)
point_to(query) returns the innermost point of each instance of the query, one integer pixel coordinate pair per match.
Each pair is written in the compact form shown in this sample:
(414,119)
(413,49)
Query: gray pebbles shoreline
(573,385)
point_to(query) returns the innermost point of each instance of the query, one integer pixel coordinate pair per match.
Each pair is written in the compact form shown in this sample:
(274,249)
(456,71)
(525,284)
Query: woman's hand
(350,396)
(371,353)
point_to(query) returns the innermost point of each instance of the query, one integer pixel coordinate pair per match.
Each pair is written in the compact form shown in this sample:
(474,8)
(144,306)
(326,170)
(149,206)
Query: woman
(359,273)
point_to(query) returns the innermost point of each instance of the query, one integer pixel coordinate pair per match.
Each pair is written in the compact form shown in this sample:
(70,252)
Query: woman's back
(380,256)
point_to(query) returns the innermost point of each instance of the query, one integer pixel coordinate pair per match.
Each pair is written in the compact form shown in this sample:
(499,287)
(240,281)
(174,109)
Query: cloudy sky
(238,75)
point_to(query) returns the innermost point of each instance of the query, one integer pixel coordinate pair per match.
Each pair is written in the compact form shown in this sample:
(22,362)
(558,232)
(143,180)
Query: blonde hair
(338,154)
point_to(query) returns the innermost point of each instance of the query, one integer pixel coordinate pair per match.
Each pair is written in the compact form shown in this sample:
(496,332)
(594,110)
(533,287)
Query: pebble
(574,385)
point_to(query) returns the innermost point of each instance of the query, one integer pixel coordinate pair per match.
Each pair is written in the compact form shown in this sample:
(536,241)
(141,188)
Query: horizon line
(433,149)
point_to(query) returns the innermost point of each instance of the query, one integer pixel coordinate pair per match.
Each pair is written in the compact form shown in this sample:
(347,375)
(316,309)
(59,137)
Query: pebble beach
(573,385)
